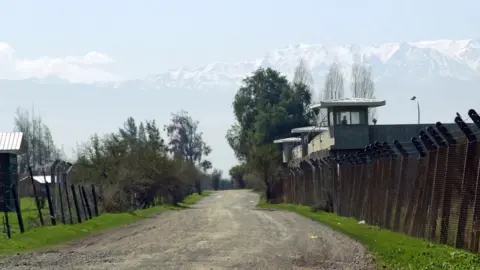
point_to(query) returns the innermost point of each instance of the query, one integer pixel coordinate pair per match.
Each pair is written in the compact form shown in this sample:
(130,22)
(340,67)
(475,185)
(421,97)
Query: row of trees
(134,167)
(268,107)
(361,85)
(38,138)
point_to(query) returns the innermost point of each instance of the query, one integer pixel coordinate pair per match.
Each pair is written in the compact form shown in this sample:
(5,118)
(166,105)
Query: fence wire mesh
(434,194)
(50,204)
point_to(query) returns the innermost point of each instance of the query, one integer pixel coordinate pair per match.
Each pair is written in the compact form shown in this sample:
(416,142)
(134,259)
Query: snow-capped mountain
(458,59)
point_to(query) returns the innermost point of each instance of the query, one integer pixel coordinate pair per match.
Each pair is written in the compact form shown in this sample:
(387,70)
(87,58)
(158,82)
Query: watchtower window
(344,118)
(355,118)
(348,118)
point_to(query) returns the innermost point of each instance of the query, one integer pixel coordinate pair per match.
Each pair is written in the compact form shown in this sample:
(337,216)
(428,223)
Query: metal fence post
(75,202)
(49,199)
(87,204)
(448,184)
(17,209)
(475,236)
(95,206)
(5,212)
(468,187)
(37,202)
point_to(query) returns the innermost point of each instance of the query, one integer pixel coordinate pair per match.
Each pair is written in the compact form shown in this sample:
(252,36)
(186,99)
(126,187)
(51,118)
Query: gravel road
(223,231)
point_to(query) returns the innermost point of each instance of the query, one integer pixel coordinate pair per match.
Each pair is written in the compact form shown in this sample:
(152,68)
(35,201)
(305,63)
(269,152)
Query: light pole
(418,108)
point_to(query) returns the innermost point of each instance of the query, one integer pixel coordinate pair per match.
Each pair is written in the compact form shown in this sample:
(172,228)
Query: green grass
(193,198)
(46,236)
(391,250)
(29,216)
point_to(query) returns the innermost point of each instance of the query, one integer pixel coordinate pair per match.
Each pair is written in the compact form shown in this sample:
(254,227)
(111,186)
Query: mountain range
(457,59)
(444,75)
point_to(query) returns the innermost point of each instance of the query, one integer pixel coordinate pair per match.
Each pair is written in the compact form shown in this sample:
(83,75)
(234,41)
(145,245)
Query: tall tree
(186,141)
(237,173)
(333,89)
(362,85)
(303,75)
(266,107)
(216,177)
(334,83)
(41,148)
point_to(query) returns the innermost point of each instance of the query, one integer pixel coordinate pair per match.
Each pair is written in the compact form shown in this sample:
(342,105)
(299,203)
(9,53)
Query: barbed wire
(407,145)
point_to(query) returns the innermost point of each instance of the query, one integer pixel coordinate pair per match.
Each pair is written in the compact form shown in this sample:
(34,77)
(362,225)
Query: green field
(43,236)
(391,250)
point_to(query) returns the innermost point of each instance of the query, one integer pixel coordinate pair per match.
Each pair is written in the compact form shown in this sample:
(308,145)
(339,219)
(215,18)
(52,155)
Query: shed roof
(12,143)
(313,129)
(350,102)
(39,178)
(289,140)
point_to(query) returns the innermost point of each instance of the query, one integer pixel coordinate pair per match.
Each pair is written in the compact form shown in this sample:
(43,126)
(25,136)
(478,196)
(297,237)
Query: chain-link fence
(428,187)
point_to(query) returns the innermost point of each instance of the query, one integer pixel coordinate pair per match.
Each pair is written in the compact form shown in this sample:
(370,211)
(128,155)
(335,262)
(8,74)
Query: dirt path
(223,231)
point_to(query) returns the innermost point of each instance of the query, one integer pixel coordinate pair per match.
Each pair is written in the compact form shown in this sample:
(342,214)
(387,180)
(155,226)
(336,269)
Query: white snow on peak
(447,58)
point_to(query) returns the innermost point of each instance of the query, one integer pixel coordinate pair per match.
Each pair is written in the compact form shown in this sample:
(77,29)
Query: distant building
(25,186)
(347,131)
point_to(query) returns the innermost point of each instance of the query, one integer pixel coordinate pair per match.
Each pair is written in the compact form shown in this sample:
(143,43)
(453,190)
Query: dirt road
(223,231)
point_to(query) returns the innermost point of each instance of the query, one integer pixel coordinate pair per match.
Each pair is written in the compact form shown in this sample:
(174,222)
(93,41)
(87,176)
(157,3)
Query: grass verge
(391,250)
(194,198)
(52,235)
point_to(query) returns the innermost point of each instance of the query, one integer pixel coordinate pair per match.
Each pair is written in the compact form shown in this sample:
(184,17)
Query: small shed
(25,186)
(11,145)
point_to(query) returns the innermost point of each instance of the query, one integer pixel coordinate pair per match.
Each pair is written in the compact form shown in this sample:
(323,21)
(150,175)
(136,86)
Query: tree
(264,162)
(186,141)
(216,177)
(362,85)
(302,75)
(266,107)
(41,148)
(334,83)
(140,170)
(237,174)
(206,165)
(303,86)
(333,89)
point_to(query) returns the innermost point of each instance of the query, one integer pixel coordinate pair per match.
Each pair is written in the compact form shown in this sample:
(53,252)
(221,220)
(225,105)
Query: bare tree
(40,144)
(362,85)
(303,75)
(303,80)
(334,83)
(333,89)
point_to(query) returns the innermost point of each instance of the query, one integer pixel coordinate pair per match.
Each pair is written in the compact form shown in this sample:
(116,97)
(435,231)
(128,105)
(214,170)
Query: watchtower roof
(349,102)
(310,129)
(289,140)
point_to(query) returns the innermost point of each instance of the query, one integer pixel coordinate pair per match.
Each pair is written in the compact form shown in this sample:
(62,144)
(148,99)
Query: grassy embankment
(51,235)
(391,250)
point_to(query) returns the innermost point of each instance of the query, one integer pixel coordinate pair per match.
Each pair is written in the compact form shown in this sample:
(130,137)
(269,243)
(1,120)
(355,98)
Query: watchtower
(287,145)
(11,145)
(348,121)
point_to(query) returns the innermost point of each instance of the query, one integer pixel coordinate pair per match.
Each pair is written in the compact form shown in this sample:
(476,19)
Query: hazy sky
(145,37)
(109,40)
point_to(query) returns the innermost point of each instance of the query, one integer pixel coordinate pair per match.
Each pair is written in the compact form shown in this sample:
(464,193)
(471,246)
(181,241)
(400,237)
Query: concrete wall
(380,133)
(297,151)
(321,142)
(351,136)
